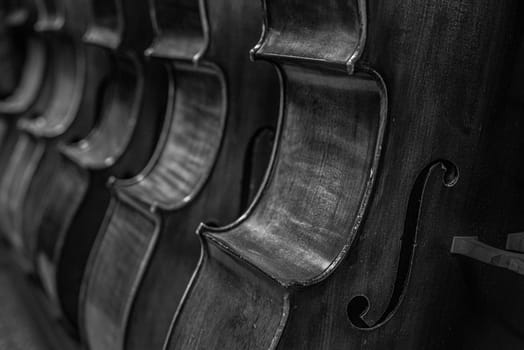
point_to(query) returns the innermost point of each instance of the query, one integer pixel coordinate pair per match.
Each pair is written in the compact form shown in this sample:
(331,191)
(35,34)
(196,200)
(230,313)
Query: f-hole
(255,165)
(359,305)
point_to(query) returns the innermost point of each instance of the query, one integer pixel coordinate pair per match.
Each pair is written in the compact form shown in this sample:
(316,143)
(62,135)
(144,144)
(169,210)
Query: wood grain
(104,326)
(299,239)
(217,91)
(193,141)
(382,278)
(15,182)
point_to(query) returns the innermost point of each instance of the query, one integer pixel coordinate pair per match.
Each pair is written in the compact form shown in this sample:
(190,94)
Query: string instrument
(69,80)
(19,18)
(11,53)
(131,106)
(29,92)
(214,147)
(347,243)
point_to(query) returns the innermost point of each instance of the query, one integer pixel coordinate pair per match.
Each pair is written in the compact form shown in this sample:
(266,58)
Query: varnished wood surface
(327,199)
(30,81)
(15,182)
(106,326)
(331,135)
(192,142)
(120,106)
(398,139)
(69,224)
(79,71)
(60,114)
(129,108)
(68,184)
(228,88)
(494,288)
(394,285)
(119,146)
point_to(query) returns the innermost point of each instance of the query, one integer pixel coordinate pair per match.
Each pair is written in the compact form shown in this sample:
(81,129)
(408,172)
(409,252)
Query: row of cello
(351,180)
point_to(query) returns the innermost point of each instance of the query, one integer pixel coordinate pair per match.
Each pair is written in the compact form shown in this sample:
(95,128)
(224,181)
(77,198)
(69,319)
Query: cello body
(213,147)
(130,115)
(351,180)
(68,111)
(347,244)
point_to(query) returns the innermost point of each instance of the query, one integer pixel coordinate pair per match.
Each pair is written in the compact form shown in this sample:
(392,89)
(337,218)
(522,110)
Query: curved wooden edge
(89,267)
(31,82)
(328,47)
(180,165)
(185,38)
(121,185)
(108,141)
(304,264)
(24,162)
(106,27)
(316,264)
(70,71)
(50,16)
(104,325)
(264,306)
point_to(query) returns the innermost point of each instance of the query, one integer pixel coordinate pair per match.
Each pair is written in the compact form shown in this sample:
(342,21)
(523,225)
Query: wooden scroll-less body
(130,108)
(63,111)
(221,116)
(347,243)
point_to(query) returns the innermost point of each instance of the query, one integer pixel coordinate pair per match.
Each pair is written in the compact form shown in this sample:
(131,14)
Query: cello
(347,243)
(130,115)
(32,89)
(219,139)
(19,19)
(72,78)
